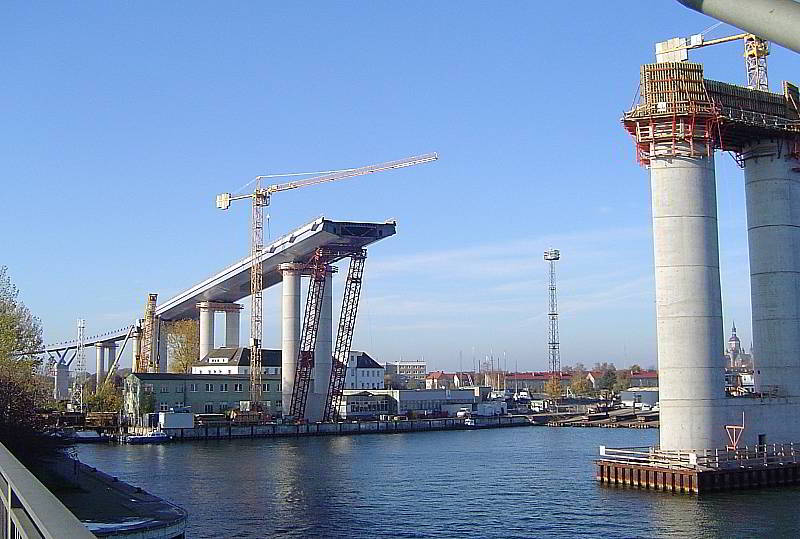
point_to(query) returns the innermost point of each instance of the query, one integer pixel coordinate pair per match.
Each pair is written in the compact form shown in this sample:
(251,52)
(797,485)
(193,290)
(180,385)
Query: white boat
(154,437)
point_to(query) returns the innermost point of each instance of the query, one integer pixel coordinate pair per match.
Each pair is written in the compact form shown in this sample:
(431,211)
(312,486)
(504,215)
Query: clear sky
(122,121)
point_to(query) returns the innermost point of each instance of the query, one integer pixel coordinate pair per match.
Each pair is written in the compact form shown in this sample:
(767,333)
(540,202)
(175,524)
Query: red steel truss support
(308,336)
(344,335)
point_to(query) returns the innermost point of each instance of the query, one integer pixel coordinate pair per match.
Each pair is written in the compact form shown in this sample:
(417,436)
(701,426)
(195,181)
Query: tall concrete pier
(290,329)
(772,184)
(232,316)
(681,119)
(100,368)
(688,302)
(206,328)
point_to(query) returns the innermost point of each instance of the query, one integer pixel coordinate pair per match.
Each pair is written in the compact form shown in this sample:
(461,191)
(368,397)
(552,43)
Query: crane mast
(756,51)
(144,363)
(344,335)
(260,199)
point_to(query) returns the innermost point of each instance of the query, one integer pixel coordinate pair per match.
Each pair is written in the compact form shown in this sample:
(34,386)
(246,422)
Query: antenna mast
(554,352)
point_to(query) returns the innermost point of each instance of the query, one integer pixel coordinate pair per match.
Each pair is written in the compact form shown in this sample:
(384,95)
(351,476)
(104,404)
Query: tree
(579,384)
(105,399)
(635,368)
(22,391)
(622,382)
(184,342)
(20,331)
(607,379)
(553,388)
(148,403)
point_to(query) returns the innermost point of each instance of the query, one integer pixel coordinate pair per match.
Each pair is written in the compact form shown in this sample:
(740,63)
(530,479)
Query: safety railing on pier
(720,459)
(28,510)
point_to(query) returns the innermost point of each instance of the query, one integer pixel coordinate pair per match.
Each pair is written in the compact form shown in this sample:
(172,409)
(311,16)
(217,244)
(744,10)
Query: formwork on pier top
(681,113)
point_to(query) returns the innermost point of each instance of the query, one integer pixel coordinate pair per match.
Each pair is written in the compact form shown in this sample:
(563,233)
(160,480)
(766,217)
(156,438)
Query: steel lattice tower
(80,367)
(554,353)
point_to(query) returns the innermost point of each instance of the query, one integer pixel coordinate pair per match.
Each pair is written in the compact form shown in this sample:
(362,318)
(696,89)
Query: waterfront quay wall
(695,481)
(230,431)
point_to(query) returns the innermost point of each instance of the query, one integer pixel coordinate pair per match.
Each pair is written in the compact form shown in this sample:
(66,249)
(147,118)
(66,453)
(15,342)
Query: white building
(237,361)
(415,370)
(363,372)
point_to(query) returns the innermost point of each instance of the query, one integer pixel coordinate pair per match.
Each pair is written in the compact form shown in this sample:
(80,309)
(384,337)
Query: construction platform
(770,465)
(682,114)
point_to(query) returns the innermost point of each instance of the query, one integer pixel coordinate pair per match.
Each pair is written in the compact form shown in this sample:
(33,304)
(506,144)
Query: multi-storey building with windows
(201,393)
(415,370)
(363,372)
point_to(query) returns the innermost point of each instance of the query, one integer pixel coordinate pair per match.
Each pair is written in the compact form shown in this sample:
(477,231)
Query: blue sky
(122,121)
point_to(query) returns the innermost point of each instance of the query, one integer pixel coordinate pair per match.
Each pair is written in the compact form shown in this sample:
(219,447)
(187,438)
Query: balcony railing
(28,509)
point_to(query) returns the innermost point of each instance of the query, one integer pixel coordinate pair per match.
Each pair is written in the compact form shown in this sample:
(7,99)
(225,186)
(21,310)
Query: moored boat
(154,437)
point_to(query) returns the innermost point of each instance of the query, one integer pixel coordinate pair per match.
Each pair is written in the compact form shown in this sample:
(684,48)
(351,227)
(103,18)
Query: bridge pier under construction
(678,124)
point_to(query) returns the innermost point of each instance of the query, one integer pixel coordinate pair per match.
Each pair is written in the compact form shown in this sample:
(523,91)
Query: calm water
(522,482)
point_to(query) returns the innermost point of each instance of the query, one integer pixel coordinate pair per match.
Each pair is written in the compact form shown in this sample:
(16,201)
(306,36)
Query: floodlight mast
(261,197)
(552,256)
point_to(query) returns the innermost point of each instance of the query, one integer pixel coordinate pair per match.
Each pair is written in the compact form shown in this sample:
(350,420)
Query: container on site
(491,408)
(175,420)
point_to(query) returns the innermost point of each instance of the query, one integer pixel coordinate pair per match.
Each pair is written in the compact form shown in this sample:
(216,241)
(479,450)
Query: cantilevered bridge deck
(233,283)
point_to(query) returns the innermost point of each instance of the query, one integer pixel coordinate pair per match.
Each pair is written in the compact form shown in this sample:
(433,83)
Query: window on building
(223,406)
(237,387)
(352,385)
(208,408)
(165,389)
(147,388)
(278,404)
(163,407)
(266,387)
(193,388)
(223,387)
(209,387)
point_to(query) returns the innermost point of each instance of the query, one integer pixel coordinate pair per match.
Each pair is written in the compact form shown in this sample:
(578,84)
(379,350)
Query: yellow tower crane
(756,51)
(260,198)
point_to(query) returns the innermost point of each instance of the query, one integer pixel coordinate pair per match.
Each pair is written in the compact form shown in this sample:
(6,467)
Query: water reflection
(524,482)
